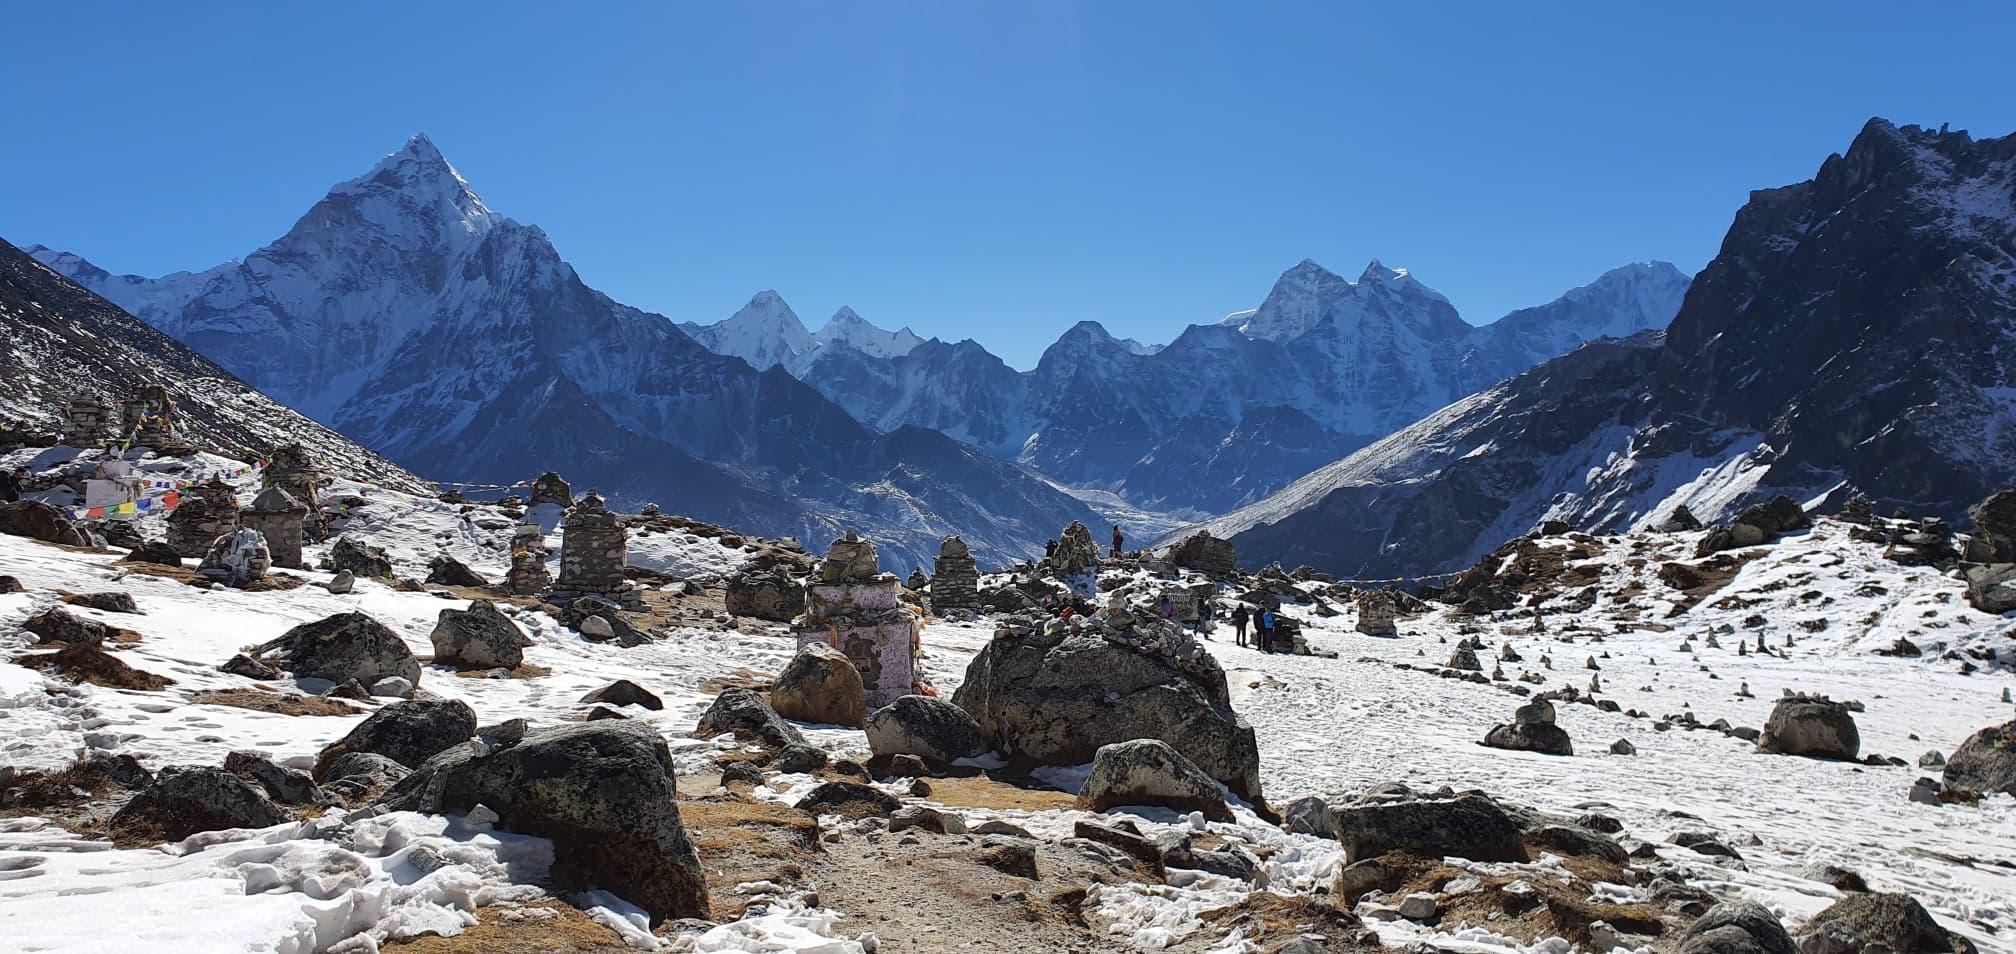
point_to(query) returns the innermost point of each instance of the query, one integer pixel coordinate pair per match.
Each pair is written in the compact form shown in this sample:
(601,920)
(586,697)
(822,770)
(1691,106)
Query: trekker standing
(1117,540)
(1203,624)
(1239,618)
(1263,630)
(1167,609)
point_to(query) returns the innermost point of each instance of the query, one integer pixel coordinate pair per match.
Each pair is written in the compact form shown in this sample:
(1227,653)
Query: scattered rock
(745,714)
(479,637)
(342,648)
(1703,843)
(623,692)
(283,785)
(820,685)
(243,665)
(931,729)
(186,799)
(111,602)
(445,570)
(799,757)
(1812,726)
(1467,826)
(1986,762)
(603,792)
(852,800)
(155,552)
(358,558)
(343,582)
(1876,921)
(925,818)
(39,521)
(57,625)
(406,732)
(1532,730)
(1010,856)
(1150,772)
(1737,927)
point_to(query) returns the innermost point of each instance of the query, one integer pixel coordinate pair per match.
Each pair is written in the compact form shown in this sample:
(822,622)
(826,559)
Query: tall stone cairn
(1206,554)
(149,415)
(551,488)
(593,550)
(290,468)
(208,510)
(528,574)
(1076,552)
(852,606)
(955,581)
(279,518)
(86,422)
(1377,609)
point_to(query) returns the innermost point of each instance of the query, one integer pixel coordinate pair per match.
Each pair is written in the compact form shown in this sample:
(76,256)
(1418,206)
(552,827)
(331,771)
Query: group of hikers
(1265,622)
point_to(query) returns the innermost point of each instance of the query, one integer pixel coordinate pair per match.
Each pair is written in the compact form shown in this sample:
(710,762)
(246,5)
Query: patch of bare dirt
(272,582)
(281,703)
(541,927)
(95,666)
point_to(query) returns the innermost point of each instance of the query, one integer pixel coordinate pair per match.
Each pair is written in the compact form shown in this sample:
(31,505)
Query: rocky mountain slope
(1854,331)
(1224,414)
(405,313)
(59,342)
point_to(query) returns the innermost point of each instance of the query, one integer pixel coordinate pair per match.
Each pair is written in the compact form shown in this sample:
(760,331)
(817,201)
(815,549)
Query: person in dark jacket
(12,483)
(1117,540)
(1239,617)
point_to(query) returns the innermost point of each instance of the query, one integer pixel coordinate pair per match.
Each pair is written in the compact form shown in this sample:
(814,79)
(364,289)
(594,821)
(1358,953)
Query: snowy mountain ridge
(1852,335)
(406,314)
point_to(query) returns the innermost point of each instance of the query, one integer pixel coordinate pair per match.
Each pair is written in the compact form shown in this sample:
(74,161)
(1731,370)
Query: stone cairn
(1076,553)
(291,469)
(594,548)
(552,488)
(149,415)
(85,422)
(852,606)
(955,581)
(280,519)
(1206,554)
(1377,609)
(916,583)
(208,510)
(528,574)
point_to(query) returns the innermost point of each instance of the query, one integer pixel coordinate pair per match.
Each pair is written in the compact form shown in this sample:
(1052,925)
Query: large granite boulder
(408,732)
(1863,921)
(184,800)
(1991,587)
(1737,927)
(1812,726)
(58,625)
(820,685)
(931,729)
(744,714)
(480,637)
(341,648)
(1532,730)
(1149,772)
(445,570)
(1467,826)
(1209,555)
(1055,697)
(1986,762)
(360,558)
(39,521)
(603,792)
(1995,527)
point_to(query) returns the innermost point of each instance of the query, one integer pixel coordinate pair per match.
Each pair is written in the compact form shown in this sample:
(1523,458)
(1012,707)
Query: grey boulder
(1467,826)
(1811,726)
(184,800)
(1150,772)
(1986,762)
(479,637)
(744,714)
(341,648)
(931,729)
(1738,927)
(408,732)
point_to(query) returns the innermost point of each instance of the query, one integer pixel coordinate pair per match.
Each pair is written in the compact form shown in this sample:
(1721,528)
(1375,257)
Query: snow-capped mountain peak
(848,328)
(765,332)
(415,188)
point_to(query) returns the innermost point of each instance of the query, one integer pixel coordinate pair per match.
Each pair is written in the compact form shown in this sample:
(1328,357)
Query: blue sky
(995,171)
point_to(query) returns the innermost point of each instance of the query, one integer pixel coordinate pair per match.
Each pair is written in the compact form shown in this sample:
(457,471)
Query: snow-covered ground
(1324,725)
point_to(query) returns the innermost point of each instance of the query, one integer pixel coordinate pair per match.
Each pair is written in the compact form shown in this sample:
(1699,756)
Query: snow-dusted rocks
(237,558)
(1150,772)
(1812,726)
(1864,920)
(1056,696)
(623,692)
(341,648)
(445,570)
(480,637)
(820,685)
(931,729)
(1986,762)
(744,714)
(58,625)
(603,792)
(184,800)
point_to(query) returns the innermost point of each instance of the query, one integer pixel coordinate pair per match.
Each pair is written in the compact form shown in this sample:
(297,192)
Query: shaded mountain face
(1227,414)
(59,342)
(405,313)
(1854,332)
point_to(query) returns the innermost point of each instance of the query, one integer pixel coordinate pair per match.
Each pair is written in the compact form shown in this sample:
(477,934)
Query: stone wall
(1206,554)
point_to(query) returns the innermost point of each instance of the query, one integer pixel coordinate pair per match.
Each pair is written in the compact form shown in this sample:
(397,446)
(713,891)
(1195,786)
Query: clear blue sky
(995,171)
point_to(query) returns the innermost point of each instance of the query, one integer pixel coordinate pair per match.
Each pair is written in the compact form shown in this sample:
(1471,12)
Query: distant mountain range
(1224,414)
(1856,332)
(403,312)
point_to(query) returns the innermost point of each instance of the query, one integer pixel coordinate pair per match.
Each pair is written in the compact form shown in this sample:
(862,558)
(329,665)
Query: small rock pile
(766,587)
(208,510)
(1377,610)
(1813,726)
(551,488)
(1532,730)
(1075,554)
